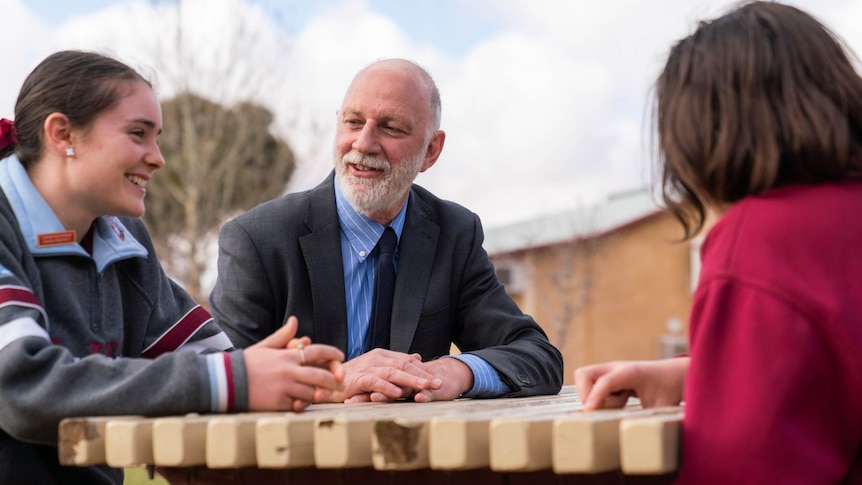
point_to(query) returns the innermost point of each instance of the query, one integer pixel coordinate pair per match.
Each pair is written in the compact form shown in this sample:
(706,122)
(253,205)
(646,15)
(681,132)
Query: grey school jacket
(83,336)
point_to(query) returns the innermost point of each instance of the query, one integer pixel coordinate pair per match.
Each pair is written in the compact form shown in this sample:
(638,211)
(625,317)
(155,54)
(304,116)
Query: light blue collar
(362,232)
(111,240)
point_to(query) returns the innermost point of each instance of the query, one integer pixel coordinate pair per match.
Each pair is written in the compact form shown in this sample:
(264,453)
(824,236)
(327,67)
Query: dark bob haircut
(762,97)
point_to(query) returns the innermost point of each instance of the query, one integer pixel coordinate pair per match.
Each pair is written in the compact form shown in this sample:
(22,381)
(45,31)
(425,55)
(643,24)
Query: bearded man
(314,255)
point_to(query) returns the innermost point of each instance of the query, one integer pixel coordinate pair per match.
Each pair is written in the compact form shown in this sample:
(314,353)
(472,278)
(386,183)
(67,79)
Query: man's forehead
(389,91)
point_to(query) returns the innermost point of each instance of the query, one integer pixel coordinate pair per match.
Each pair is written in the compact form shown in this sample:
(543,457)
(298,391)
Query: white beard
(372,196)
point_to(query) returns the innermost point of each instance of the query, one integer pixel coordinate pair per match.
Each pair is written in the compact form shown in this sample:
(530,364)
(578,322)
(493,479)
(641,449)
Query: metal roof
(615,211)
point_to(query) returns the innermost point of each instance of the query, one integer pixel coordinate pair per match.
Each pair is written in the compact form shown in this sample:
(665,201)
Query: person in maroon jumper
(759,120)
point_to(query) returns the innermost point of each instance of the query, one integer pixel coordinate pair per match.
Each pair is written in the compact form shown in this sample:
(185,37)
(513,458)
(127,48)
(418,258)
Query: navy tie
(384,288)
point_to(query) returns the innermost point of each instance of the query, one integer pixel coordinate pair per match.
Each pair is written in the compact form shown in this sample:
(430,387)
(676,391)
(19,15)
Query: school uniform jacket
(83,335)
(283,258)
(773,393)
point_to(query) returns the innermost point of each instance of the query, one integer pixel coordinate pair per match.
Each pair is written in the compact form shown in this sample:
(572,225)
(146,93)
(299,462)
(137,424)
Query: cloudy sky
(545,102)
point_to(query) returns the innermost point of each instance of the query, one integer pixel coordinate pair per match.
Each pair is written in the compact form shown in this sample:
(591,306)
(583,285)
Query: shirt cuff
(221,382)
(486,381)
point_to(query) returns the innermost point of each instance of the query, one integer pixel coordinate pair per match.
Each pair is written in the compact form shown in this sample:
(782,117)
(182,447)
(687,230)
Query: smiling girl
(89,323)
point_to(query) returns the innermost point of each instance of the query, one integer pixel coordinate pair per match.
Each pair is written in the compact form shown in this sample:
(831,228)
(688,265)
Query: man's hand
(286,373)
(457,379)
(383,375)
(655,382)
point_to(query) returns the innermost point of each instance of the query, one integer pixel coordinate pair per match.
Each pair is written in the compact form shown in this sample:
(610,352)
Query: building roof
(615,211)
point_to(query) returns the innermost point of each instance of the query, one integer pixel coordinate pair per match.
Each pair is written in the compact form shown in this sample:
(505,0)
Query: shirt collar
(361,231)
(111,240)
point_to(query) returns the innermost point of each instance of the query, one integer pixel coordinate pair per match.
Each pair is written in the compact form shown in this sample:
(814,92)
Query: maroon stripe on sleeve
(22,296)
(179,333)
(229,379)
(17,294)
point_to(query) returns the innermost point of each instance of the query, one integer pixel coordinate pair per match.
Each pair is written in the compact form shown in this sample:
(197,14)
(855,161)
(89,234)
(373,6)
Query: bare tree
(218,140)
(220,161)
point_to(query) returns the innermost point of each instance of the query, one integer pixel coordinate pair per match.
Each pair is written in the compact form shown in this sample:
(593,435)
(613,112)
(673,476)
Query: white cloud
(548,113)
(22,50)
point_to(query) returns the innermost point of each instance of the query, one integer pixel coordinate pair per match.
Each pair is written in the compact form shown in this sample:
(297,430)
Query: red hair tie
(8,133)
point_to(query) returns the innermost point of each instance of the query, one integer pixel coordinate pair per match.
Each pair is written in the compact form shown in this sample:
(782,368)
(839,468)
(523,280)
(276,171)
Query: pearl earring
(70,152)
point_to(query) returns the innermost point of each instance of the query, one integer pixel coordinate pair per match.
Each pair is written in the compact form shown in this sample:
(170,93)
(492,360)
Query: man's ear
(433,150)
(58,133)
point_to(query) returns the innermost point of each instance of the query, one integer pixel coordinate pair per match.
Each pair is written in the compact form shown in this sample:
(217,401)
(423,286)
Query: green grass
(138,476)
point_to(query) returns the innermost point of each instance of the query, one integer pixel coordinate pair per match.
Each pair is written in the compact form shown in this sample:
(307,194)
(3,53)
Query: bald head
(407,72)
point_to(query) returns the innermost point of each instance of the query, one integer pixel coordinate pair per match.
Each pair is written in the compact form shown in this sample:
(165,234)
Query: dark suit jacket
(283,258)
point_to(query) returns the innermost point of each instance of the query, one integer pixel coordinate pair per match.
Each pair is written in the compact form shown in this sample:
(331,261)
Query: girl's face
(117,155)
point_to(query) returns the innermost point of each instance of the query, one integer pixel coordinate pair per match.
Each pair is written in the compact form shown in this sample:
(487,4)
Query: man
(312,255)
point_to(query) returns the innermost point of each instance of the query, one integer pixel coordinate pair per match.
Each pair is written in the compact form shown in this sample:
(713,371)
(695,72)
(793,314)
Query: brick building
(611,281)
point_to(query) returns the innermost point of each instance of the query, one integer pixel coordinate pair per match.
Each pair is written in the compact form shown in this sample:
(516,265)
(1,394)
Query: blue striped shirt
(359,236)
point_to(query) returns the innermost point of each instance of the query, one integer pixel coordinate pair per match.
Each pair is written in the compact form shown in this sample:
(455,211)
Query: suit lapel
(416,250)
(321,249)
